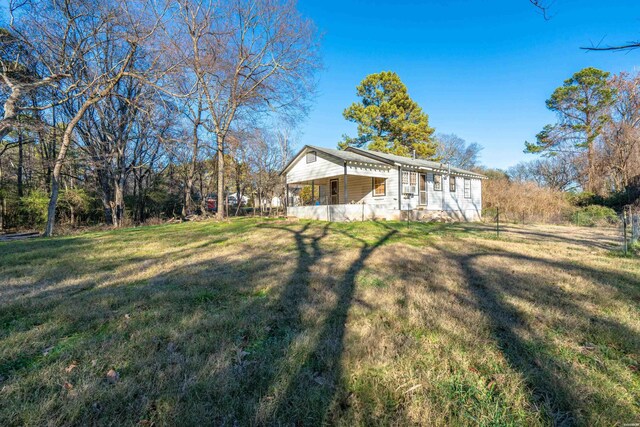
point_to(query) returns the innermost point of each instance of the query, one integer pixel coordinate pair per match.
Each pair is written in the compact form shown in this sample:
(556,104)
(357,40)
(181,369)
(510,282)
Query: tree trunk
(66,141)
(57,168)
(591,185)
(221,196)
(203,198)
(188,200)
(52,147)
(105,196)
(119,202)
(20,164)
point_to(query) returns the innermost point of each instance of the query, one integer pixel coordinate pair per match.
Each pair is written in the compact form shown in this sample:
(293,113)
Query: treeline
(118,112)
(591,155)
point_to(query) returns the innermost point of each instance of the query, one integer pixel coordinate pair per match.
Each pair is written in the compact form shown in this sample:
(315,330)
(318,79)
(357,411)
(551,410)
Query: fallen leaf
(409,390)
(67,385)
(126,316)
(47,350)
(113,376)
(71,367)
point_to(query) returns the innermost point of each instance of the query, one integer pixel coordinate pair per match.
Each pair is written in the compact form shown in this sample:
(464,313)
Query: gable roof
(344,155)
(415,163)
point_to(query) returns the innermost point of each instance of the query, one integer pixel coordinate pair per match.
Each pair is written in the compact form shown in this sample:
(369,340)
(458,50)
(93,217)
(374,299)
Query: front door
(333,191)
(422,189)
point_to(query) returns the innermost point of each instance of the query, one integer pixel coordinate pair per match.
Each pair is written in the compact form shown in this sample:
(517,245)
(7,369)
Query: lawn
(255,322)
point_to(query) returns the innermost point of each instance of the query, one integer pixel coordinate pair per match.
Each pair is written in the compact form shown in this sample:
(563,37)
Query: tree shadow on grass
(255,335)
(206,341)
(598,239)
(307,394)
(552,382)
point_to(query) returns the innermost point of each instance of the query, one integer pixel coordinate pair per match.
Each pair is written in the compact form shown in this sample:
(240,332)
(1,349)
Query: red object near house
(212,204)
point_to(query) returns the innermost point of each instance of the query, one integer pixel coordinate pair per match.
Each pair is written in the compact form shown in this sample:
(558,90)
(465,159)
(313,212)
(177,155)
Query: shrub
(33,209)
(593,215)
(526,201)
(585,198)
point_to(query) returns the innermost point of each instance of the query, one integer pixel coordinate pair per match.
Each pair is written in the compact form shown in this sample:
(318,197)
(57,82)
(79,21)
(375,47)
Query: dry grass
(274,322)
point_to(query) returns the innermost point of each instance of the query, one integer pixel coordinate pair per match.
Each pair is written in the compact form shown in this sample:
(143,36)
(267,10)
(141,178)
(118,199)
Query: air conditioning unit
(408,189)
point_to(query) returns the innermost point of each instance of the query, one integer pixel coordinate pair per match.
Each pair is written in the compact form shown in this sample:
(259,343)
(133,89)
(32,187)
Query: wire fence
(630,225)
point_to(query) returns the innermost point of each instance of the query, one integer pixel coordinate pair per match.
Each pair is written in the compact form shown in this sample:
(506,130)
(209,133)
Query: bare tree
(194,115)
(544,6)
(250,57)
(558,172)
(20,73)
(456,151)
(620,144)
(78,37)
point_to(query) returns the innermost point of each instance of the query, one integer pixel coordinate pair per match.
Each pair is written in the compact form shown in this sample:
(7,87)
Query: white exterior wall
(359,212)
(360,191)
(444,200)
(323,167)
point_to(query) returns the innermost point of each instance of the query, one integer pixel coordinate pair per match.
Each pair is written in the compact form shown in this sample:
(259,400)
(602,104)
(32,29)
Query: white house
(359,184)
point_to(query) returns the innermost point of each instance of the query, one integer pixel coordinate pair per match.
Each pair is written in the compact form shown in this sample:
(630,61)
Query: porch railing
(296,201)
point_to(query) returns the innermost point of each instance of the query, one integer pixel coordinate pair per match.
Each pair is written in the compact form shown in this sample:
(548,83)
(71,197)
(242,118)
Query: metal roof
(362,155)
(408,161)
(349,156)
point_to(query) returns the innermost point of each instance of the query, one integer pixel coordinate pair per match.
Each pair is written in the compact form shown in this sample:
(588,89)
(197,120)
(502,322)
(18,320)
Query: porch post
(346,192)
(286,200)
(313,193)
(399,188)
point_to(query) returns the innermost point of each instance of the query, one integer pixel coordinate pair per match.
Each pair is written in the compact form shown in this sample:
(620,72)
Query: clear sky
(481,69)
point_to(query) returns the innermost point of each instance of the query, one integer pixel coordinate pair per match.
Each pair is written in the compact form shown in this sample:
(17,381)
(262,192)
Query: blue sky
(481,69)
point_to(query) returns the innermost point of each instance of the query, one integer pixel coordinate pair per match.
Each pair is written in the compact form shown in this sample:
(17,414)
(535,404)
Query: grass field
(300,323)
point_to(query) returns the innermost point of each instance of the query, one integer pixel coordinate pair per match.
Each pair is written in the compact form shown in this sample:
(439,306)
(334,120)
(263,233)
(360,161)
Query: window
(437,182)
(409,178)
(311,156)
(379,186)
(452,184)
(467,188)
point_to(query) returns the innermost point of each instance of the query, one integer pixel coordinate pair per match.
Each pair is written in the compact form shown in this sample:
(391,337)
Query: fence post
(635,228)
(624,229)
(498,221)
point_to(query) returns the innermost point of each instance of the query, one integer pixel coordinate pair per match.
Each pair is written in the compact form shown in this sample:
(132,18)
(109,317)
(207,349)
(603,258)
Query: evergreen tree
(582,104)
(388,119)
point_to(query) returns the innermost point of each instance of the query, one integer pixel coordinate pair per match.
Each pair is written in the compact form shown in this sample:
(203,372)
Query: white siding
(445,200)
(360,189)
(324,166)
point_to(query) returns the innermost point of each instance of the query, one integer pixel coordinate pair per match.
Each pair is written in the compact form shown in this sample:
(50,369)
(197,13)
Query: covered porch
(346,197)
